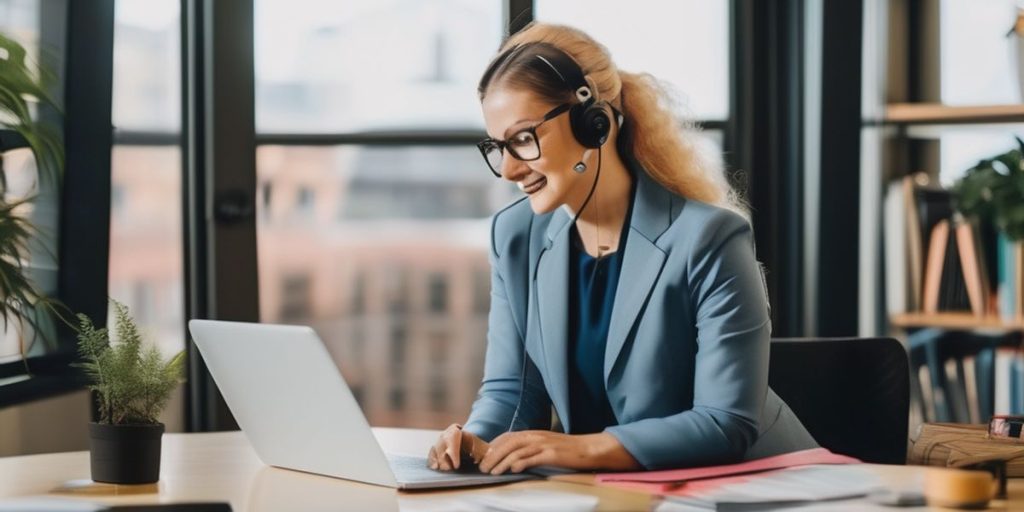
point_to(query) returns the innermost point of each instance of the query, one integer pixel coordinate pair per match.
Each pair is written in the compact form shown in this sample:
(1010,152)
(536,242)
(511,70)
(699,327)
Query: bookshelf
(954,321)
(937,113)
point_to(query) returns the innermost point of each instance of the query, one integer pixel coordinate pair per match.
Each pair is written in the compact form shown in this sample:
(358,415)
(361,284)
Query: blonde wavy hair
(672,152)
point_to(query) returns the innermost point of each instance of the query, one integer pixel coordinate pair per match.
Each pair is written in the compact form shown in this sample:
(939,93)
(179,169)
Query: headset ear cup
(590,124)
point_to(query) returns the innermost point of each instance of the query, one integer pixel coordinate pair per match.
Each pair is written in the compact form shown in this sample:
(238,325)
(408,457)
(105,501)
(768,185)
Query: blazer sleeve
(499,393)
(731,367)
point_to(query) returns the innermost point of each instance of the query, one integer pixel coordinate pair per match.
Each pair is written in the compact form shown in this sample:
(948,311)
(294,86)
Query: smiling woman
(668,370)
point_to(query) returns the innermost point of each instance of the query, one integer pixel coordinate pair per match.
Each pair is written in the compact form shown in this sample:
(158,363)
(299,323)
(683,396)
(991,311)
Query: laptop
(298,413)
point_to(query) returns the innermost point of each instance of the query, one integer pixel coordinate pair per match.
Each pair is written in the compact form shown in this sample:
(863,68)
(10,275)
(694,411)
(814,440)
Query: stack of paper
(668,480)
(779,488)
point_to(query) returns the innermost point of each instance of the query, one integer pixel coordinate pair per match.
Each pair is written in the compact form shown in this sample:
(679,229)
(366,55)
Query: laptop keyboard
(410,468)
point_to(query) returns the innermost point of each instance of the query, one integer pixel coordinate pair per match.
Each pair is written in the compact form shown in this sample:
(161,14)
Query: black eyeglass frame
(502,145)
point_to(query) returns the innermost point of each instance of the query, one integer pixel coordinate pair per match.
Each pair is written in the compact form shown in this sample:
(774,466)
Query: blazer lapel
(641,264)
(653,212)
(551,288)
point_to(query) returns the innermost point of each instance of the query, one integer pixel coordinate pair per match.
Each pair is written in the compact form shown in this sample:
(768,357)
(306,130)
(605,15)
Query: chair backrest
(852,394)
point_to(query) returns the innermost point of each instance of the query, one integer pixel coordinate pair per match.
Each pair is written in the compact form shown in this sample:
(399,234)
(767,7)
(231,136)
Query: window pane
(383,250)
(146,249)
(978,61)
(147,65)
(962,147)
(327,66)
(685,43)
(146,236)
(19,169)
(19,20)
(146,240)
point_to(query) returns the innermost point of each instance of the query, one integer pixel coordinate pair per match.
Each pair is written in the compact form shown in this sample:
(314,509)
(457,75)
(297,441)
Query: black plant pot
(125,454)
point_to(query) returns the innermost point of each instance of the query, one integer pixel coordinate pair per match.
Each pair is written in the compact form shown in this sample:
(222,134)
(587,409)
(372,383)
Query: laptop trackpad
(412,473)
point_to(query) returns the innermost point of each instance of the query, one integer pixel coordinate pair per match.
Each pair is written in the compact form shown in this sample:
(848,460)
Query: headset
(587,118)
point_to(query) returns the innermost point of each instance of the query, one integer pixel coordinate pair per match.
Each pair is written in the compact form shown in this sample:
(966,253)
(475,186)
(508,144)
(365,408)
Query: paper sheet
(790,486)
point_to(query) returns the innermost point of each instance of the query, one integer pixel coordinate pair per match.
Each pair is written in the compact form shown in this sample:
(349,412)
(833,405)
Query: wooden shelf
(954,321)
(936,113)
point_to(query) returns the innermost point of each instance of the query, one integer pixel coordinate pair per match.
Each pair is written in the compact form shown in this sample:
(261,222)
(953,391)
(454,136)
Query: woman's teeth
(535,186)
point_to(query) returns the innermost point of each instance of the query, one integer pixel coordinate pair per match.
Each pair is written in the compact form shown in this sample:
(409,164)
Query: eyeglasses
(522,145)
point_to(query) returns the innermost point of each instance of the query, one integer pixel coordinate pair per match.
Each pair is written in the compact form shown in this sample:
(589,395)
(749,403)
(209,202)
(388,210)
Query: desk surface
(223,467)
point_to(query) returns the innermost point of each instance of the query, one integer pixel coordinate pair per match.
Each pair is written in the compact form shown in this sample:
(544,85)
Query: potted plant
(23,307)
(132,384)
(993,192)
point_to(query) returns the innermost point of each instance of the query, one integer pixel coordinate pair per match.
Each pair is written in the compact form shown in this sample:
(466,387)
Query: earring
(579,167)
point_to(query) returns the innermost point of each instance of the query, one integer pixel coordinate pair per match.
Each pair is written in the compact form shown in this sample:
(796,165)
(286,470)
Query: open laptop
(294,406)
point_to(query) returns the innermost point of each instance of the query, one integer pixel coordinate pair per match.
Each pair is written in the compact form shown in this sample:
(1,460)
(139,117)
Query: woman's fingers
(515,460)
(453,438)
(474,446)
(540,458)
(501,447)
(432,459)
(449,442)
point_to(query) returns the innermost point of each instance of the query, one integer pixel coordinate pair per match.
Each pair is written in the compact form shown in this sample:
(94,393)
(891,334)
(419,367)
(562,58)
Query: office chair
(852,394)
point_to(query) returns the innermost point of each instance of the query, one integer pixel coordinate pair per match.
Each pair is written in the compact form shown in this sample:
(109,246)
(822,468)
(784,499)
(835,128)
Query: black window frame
(82,33)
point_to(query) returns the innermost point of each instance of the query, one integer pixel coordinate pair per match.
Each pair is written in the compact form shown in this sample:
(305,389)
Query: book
(897,258)
(973,263)
(1010,263)
(1017,286)
(926,207)
(1003,366)
(953,290)
(933,269)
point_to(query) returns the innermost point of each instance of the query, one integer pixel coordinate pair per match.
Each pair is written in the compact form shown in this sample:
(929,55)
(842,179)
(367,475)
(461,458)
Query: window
(438,289)
(977,58)
(684,43)
(296,298)
(20,21)
(145,268)
(685,46)
(979,66)
(416,68)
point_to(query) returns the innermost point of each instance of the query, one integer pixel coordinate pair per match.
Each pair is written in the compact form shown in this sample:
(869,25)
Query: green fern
(132,383)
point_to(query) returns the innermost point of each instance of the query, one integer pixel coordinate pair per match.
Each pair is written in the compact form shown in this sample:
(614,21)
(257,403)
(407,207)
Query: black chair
(852,394)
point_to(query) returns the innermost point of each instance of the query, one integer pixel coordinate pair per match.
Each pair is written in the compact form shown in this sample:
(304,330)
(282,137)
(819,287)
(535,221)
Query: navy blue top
(592,284)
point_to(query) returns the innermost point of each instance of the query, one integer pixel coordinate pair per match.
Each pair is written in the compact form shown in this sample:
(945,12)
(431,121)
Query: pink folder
(668,480)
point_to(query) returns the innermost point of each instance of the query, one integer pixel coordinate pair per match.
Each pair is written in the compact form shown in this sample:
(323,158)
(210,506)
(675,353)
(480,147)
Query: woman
(637,310)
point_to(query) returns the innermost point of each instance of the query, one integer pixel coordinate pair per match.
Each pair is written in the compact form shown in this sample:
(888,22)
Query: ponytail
(677,157)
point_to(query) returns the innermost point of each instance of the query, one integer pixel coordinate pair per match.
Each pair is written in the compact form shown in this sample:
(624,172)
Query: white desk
(223,467)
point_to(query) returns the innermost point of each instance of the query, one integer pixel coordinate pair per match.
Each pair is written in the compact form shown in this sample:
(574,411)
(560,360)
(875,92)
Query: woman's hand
(447,452)
(518,451)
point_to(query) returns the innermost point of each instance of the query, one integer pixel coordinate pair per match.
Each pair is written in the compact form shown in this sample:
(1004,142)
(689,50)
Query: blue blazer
(686,361)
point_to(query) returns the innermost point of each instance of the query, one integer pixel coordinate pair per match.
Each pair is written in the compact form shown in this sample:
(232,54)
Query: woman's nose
(513,169)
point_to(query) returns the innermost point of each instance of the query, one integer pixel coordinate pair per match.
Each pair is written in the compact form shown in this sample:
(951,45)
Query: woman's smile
(533,186)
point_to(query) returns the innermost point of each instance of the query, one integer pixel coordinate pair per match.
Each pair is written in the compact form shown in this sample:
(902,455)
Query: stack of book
(938,261)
